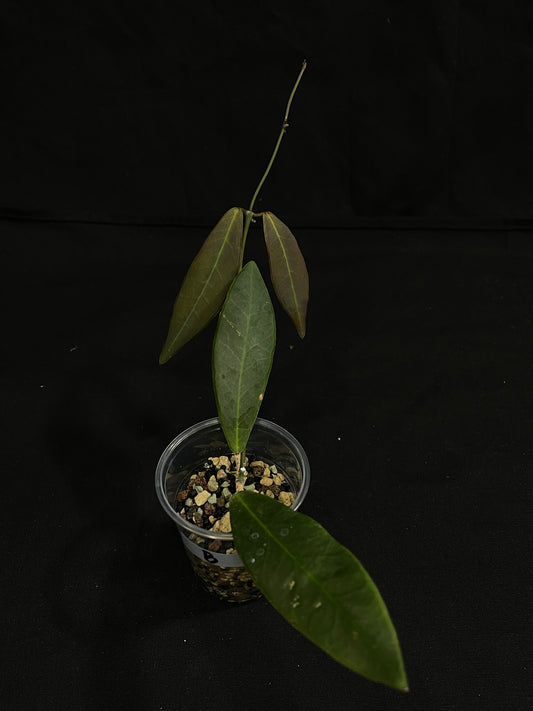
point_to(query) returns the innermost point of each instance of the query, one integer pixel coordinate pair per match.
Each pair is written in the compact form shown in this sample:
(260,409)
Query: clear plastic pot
(223,573)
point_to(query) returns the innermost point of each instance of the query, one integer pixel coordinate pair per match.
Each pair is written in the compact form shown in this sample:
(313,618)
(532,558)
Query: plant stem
(248,215)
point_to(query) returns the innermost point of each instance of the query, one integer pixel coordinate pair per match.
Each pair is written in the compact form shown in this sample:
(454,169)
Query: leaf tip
(165,355)
(402,684)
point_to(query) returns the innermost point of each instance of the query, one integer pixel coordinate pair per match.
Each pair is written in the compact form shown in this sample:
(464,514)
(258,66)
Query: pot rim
(162,466)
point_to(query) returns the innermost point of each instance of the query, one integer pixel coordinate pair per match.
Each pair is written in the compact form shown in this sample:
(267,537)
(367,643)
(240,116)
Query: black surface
(414,382)
(125,132)
(167,112)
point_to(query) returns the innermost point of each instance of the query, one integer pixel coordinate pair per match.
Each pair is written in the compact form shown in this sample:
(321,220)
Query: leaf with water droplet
(318,586)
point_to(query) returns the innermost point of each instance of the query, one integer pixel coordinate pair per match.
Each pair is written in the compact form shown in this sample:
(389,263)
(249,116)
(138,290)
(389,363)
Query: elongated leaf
(242,355)
(206,283)
(287,270)
(318,586)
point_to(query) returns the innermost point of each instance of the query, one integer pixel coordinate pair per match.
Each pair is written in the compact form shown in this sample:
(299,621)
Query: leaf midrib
(241,370)
(284,253)
(345,613)
(214,268)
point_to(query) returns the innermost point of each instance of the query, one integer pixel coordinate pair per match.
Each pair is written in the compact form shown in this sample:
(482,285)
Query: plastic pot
(212,554)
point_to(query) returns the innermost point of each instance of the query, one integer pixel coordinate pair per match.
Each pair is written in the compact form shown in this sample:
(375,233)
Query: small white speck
(74,348)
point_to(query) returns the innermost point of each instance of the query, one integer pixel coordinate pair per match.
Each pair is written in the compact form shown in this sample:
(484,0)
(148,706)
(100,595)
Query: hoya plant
(310,578)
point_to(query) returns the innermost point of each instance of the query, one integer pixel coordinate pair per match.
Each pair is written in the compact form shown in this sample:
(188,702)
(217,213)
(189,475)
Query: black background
(126,131)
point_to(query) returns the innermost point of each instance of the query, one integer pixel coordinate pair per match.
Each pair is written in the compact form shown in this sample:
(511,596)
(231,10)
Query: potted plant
(233,484)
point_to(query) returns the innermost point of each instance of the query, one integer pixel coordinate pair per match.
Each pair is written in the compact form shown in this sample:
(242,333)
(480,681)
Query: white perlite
(223,524)
(202,497)
(221,462)
(286,497)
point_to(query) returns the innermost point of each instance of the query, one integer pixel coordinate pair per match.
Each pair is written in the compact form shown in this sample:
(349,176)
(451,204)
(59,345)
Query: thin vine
(249,213)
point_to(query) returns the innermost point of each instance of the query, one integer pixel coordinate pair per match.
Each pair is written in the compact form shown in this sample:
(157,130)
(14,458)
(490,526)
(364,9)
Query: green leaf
(287,269)
(318,586)
(206,283)
(242,355)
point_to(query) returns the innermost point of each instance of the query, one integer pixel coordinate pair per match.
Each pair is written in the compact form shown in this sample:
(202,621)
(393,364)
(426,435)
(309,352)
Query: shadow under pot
(194,482)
